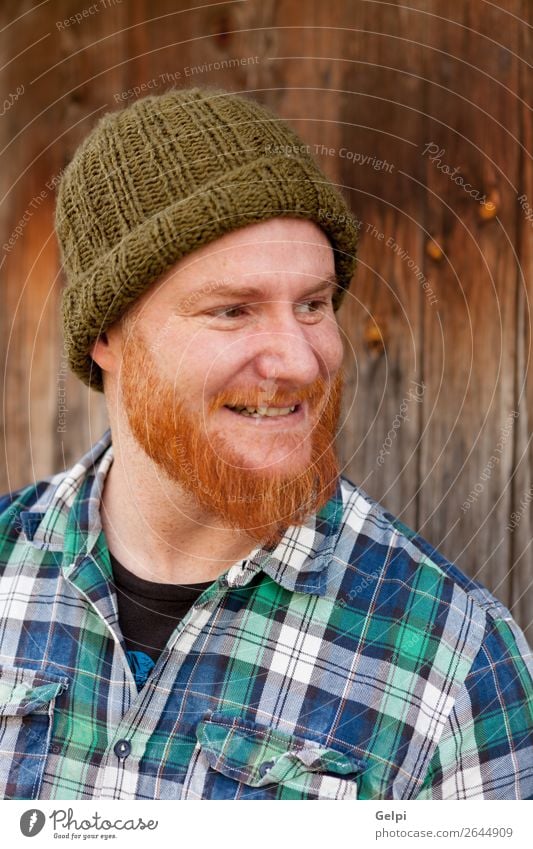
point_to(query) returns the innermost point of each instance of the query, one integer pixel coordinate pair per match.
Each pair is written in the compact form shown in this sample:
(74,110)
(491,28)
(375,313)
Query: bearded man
(203,607)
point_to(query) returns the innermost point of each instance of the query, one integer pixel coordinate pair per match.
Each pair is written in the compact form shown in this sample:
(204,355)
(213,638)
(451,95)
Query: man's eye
(312,307)
(225,312)
(315,305)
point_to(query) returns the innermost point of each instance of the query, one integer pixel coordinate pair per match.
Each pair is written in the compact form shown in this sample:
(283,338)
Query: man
(203,607)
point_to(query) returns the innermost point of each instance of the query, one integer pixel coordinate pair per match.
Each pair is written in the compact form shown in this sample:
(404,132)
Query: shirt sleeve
(486,749)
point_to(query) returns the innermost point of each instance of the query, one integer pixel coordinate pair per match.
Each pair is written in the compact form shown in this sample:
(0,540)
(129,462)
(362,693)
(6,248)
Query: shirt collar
(67,518)
(67,515)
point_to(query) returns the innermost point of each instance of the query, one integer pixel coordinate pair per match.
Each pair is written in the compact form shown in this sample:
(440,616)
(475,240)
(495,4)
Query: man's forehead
(266,285)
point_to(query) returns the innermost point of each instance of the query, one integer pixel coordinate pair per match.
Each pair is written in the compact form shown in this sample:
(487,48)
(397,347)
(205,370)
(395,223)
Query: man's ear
(103,354)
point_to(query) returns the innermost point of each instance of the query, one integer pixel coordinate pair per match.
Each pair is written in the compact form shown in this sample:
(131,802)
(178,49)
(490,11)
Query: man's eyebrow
(213,291)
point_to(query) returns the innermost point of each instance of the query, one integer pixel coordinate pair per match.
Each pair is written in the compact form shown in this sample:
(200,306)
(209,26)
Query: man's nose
(284,353)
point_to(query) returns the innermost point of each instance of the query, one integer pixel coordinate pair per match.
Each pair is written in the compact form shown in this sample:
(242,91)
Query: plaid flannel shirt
(350,661)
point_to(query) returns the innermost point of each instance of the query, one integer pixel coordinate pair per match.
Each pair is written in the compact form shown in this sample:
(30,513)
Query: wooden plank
(380,124)
(28,257)
(469,353)
(92,69)
(520,526)
(437,350)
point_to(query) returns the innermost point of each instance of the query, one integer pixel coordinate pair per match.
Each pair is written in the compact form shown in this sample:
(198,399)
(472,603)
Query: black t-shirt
(148,614)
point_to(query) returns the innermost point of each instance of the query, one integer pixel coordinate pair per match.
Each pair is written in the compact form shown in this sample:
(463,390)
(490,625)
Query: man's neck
(156,530)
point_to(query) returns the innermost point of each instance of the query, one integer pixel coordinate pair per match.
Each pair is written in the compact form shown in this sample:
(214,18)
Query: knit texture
(161,178)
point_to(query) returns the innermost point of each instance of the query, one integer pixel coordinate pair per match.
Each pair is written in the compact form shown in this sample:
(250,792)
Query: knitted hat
(167,174)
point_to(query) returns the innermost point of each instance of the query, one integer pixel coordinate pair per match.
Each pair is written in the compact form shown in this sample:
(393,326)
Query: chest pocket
(238,759)
(27,700)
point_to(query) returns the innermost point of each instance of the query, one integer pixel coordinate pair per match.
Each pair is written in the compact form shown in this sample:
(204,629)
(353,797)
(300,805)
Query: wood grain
(438,405)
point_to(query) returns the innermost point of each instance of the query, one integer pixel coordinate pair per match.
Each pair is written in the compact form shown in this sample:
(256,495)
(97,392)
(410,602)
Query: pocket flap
(24,691)
(258,755)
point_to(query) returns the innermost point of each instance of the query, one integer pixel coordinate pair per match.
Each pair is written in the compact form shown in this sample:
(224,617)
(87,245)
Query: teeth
(264,411)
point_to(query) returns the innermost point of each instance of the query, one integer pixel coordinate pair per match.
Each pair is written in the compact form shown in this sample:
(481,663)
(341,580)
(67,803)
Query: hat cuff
(268,187)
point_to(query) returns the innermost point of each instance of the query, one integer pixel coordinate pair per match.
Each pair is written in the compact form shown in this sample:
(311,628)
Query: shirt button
(264,767)
(122,749)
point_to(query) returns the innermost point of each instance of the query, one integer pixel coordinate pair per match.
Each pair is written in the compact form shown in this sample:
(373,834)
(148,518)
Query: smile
(263,411)
(268,416)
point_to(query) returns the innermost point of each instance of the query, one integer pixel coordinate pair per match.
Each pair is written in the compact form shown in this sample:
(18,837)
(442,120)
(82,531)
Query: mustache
(314,393)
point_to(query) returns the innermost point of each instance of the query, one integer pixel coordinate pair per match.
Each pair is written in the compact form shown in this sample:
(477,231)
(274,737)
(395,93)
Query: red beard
(208,467)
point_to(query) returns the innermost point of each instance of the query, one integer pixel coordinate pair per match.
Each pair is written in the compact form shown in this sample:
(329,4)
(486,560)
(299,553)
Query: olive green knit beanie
(167,174)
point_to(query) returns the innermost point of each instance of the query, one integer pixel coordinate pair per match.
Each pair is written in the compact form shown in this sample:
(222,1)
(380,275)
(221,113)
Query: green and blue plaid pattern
(350,661)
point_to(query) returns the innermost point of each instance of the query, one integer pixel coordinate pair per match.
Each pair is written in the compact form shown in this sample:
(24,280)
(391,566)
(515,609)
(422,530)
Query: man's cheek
(331,348)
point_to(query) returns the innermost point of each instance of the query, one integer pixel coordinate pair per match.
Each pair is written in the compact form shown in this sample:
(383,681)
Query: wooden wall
(403,103)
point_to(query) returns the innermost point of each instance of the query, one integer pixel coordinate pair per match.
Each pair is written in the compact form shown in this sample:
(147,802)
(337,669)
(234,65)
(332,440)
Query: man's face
(237,324)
